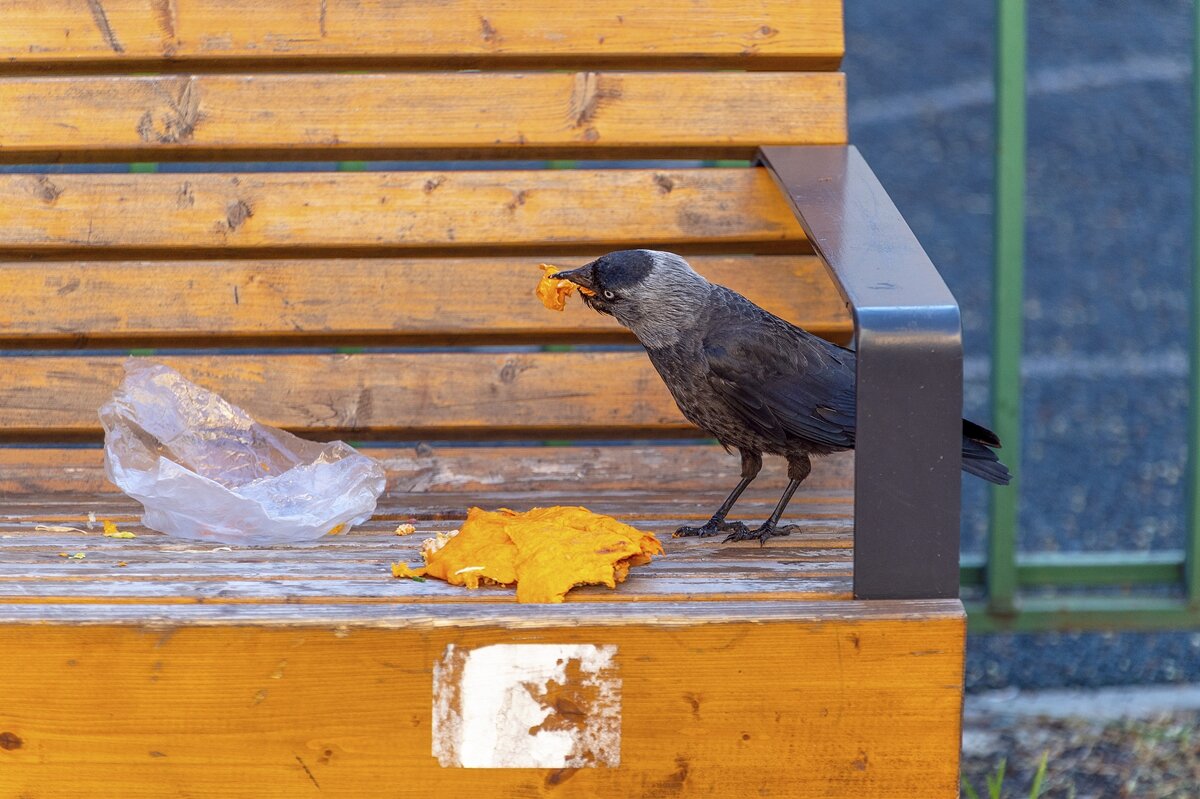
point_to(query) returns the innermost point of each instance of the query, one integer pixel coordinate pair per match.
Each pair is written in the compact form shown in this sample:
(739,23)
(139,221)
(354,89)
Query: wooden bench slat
(201,33)
(335,699)
(416,115)
(362,301)
(393,212)
(399,396)
(42,474)
(379,588)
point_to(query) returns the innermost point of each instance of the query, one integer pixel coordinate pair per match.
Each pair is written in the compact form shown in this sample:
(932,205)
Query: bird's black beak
(580,277)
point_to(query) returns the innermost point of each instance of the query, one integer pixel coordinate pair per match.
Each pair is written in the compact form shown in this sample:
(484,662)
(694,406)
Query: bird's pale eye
(608,295)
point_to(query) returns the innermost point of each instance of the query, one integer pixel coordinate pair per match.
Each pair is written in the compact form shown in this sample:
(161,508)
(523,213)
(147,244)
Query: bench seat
(280,671)
(354,568)
(389,303)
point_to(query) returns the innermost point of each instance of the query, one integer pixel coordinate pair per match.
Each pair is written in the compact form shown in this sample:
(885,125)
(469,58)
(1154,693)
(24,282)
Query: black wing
(781,381)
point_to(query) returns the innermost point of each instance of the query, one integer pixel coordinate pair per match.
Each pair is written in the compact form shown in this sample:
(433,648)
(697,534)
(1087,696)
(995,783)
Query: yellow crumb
(111,531)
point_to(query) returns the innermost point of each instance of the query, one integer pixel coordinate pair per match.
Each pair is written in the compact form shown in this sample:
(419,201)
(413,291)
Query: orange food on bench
(546,552)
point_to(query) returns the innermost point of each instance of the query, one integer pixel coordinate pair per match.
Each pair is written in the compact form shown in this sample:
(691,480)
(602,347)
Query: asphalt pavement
(1106,310)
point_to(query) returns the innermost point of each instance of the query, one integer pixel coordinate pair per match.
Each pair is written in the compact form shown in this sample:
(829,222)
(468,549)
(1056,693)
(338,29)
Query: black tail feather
(978,457)
(977,432)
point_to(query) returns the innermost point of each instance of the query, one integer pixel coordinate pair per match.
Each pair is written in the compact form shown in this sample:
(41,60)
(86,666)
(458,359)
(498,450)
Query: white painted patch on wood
(527,706)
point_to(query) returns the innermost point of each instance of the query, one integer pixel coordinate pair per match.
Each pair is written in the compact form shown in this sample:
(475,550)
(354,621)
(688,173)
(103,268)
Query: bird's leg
(798,469)
(717,523)
(751,465)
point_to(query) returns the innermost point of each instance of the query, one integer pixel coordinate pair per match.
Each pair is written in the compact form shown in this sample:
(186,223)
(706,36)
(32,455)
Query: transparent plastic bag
(203,469)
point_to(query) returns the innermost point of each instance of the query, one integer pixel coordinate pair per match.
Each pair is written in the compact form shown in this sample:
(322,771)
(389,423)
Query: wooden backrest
(256,282)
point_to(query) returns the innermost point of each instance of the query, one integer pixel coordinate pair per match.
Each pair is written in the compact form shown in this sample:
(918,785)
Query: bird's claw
(710,528)
(761,534)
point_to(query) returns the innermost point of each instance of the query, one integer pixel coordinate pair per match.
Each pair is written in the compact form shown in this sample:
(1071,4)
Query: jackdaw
(753,381)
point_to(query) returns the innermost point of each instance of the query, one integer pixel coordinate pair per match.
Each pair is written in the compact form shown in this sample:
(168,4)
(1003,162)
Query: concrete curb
(1103,704)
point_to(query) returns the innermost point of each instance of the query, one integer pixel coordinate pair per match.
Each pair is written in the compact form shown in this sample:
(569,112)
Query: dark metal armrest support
(907,483)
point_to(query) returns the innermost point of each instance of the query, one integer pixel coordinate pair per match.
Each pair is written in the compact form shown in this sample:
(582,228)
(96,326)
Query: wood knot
(488,31)
(512,370)
(184,198)
(46,191)
(10,741)
(236,213)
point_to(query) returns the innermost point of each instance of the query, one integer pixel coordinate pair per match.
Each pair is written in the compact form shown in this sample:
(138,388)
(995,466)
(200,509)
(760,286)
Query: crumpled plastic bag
(204,469)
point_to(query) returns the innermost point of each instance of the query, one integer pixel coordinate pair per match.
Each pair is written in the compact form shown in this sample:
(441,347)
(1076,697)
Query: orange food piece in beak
(545,551)
(554,292)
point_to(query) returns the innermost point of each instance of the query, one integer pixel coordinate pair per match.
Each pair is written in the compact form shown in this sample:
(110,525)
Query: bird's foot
(762,534)
(710,528)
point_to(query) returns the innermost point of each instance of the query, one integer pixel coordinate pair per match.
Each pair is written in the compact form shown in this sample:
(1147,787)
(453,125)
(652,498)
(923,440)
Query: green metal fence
(1112,590)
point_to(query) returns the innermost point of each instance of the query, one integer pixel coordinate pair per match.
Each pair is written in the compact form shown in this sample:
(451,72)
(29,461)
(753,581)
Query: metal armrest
(907,483)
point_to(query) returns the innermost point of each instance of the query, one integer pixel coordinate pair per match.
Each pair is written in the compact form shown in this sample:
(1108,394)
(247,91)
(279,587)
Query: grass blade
(1036,789)
(995,782)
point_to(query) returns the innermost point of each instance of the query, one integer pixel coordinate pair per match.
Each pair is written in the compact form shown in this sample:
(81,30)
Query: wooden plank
(548,114)
(399,396)
(204,34)
(748,697)
(826,515)
(474,616)
(36,472)
(364,301)
(334,564)
(378,213)
(375,586)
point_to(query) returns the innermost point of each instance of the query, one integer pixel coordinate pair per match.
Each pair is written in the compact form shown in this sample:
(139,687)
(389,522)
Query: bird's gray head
(654,294)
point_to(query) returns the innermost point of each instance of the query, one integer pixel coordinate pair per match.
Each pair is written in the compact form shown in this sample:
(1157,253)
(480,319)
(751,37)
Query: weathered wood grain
(35,473)
(416,115)
(517,616)
(826,521)
(361,301)
(204,34)
(376,585)
(378,213)
(833,699)
(824,515)
(36,530)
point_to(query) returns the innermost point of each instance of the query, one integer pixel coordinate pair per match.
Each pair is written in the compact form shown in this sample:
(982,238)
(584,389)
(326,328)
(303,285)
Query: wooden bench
(350,304)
